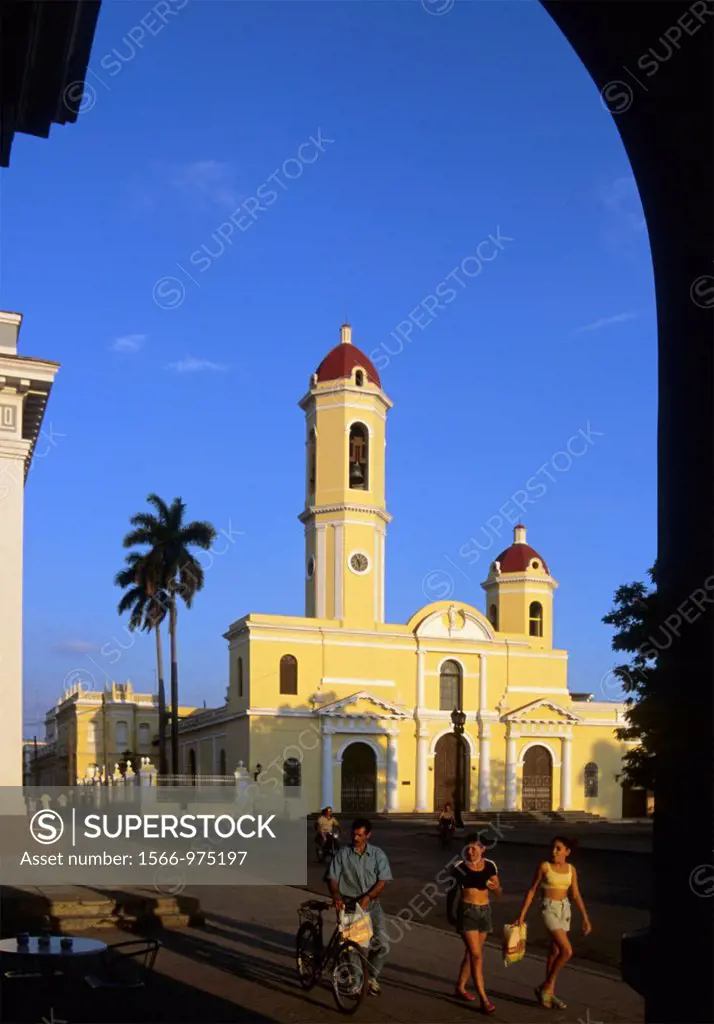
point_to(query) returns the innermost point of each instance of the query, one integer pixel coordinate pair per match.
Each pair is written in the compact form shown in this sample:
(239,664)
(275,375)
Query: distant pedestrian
(475,878)
(359,873)
(557,878)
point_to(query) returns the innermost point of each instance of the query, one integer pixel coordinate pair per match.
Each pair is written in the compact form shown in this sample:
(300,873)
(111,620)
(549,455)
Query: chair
(121,968)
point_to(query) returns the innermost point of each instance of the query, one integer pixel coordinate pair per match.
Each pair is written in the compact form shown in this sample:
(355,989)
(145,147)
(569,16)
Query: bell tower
(345,515)
(519,592)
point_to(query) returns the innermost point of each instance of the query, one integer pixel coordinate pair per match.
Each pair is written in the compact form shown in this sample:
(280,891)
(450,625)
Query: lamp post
(458,720)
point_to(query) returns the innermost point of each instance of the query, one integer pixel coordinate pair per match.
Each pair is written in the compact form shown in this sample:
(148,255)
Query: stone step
(74,909)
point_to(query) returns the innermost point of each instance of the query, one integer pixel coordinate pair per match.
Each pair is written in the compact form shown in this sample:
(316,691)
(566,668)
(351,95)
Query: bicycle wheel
(349,976)
(307,954)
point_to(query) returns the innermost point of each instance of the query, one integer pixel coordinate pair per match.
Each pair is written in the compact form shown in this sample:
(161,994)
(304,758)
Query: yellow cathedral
(355,712)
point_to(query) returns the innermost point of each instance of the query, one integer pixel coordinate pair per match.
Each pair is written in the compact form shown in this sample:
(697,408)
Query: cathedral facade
(365,715)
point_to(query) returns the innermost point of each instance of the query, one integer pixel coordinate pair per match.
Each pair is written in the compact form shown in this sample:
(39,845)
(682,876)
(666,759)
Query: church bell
(356,474)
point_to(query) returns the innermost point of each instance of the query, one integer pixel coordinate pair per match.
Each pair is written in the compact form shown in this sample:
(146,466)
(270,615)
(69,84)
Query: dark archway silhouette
(665,121)
(359,780)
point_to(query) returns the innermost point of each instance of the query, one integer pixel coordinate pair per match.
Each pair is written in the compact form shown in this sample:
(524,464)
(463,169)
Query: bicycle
(350,971)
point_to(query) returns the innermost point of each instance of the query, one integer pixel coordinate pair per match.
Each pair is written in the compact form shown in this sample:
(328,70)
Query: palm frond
(160,505)
(201,534)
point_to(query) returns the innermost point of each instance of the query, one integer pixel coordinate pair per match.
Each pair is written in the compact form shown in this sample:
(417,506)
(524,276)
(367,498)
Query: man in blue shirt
(360,872)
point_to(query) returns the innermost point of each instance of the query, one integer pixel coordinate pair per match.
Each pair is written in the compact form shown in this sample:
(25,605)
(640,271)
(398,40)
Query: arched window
(535,619)
(222,763)
(144,735)
(359,457)
(450,695)
(122,736)
(359,379)
(292,776)
(239,677)
(592,779)
(493,616)
(312,463)
(288,674)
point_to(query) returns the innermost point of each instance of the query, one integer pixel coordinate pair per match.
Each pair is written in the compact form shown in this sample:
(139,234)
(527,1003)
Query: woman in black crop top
(473,879)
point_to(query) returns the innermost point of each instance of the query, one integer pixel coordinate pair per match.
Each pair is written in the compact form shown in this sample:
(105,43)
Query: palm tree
(148,603)
(169,540)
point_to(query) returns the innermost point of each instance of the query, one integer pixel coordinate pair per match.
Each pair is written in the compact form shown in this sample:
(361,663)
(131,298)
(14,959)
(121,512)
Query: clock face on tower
(359,562)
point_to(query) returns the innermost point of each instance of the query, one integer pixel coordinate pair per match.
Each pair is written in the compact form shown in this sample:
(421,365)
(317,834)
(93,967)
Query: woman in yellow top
(557,878)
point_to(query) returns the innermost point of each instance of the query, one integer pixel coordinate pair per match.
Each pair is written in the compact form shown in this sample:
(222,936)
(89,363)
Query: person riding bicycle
(326,827)
(360,872)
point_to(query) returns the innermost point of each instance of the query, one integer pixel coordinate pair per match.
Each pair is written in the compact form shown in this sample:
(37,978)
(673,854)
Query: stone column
(321,571)
(511,784)
(392,773)
(482,685)
(327,769)
(422,779)
(565,774)
(484,768)
(25,386)
(339,558)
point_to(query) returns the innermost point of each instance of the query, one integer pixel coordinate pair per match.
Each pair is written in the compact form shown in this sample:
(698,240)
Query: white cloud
(192,365)
(75,647)
(607,321)
(209,181)
(128,343)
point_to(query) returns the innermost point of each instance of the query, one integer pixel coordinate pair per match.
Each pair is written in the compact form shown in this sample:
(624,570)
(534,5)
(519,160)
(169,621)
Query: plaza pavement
(240,967)
(245,953)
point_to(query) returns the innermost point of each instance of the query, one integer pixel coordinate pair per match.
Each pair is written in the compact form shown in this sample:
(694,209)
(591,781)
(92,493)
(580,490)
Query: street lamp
(458,720)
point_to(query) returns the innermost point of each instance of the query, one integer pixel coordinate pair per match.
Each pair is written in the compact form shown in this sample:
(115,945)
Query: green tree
(169,540)
(148,603)
(635,620)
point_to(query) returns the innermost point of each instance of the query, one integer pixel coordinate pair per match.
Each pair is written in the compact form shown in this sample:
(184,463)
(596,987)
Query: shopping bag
(514,943)
(357,926)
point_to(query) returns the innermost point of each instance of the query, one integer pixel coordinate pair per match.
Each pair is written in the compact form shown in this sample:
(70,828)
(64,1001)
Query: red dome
(342,360)
(518,558)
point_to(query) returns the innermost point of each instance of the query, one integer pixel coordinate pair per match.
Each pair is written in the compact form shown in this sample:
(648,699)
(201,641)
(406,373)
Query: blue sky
(434,132)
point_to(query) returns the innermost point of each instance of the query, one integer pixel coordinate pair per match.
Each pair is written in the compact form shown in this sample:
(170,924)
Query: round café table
(80,947)
(56,967)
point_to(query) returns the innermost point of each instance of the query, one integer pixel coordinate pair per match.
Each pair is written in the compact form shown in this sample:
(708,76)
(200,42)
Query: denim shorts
(473,917)
(556,914)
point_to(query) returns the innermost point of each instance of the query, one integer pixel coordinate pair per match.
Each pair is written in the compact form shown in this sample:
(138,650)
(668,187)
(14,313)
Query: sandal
(543,998)
(488,1007)
(468,996)
(558,1003)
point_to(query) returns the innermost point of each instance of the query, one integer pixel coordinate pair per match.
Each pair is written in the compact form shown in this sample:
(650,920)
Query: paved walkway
(247,947)
(620,838)
(240,967)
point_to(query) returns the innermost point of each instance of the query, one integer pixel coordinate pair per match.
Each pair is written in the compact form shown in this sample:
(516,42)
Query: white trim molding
(446,732)
(361,738)
(538,743)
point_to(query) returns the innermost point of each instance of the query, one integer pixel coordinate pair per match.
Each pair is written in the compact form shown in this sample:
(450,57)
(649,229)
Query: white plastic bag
(357,926)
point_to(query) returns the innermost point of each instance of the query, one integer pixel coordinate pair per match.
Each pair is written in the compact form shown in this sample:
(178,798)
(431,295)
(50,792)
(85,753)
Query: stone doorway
(451,778)
(537,780)
(359,780)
